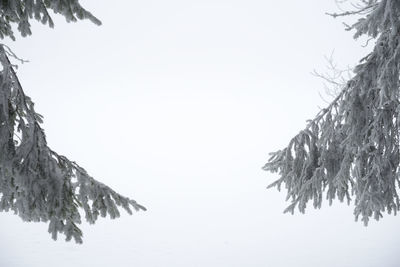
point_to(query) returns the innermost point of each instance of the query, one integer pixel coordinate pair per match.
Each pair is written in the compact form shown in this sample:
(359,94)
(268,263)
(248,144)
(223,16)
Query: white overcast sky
(177,105)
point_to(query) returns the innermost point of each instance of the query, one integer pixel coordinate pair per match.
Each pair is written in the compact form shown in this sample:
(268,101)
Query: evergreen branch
(351,148)
(20,12)
(36,182)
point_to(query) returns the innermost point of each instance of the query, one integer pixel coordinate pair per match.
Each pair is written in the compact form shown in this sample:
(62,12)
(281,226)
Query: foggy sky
(177,104)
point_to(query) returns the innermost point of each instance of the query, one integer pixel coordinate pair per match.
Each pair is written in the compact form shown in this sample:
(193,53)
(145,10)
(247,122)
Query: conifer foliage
(19,12)
(35,182)
(350,150)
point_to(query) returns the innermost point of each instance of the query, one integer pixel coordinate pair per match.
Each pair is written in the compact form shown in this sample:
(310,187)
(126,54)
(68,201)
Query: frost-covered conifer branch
(37,183)
(351,149)
(364,7)
(19,12)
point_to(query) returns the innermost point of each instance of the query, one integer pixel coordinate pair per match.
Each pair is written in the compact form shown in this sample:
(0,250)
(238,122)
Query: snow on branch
(21,12)
(351,149)
(37,183)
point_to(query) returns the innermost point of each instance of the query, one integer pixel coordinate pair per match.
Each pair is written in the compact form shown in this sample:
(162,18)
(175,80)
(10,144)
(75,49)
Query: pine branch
(37,183)
(351,148)
(20,12)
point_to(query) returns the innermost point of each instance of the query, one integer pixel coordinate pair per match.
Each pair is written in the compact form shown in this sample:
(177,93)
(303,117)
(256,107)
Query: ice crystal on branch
(351,149)
(21,11)
(37,183)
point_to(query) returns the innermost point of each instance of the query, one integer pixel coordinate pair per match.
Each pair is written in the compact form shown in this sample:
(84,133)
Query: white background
(177,105)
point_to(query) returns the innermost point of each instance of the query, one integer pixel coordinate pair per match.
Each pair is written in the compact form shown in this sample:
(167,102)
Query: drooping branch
(352,147)
(37,183)
(20,12)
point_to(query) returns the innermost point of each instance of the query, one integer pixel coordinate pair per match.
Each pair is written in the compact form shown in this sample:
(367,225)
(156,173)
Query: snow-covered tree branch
(351,148)
(19,12)
(37,183)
